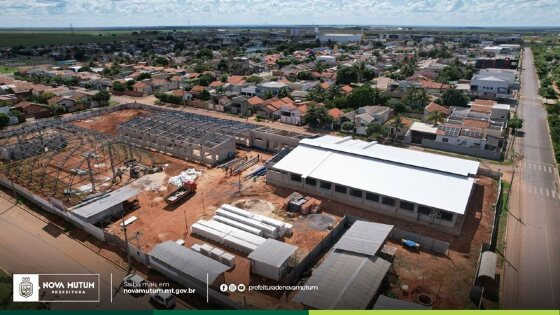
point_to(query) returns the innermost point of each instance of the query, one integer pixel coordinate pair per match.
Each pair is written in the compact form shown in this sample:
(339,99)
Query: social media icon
(232,287)
(223,287)
(240,287)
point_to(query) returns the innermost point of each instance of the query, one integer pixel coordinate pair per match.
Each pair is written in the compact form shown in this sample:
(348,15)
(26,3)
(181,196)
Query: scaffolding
(198,138)
(66,162)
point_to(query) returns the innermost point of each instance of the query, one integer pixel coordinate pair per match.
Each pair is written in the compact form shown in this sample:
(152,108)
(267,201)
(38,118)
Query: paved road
(29,245)
(532,268)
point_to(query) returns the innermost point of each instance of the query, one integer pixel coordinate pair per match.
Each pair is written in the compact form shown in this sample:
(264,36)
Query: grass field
(28,38)
(7,69)
(6,296)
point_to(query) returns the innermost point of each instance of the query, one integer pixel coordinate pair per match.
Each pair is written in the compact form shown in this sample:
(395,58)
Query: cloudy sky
(84,13)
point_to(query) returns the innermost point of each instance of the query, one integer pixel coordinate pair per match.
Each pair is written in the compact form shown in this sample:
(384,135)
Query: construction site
(186,195)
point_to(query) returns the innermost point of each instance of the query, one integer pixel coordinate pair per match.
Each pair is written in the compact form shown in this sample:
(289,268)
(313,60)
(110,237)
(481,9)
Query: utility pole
(126,243)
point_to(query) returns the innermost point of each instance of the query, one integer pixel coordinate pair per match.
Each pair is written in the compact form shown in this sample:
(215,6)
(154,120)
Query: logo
(26,287)
(223,287)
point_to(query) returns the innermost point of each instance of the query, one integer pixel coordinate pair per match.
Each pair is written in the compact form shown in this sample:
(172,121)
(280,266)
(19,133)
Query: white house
(493,84)
(339,38)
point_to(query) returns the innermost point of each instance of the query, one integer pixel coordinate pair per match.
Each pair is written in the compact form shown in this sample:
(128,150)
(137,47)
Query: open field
(38,38)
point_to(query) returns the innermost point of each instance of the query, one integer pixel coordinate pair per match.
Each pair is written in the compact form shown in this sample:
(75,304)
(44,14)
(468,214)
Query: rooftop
(395,172)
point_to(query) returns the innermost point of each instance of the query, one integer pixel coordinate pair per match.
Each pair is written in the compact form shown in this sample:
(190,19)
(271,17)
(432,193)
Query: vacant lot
(46,38)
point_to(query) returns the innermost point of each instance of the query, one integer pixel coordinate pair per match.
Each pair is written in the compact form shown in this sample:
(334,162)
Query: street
(532,266)
(29,245)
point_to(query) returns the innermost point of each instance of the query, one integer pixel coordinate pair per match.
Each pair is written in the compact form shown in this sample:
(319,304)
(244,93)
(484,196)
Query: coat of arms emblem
(26,287)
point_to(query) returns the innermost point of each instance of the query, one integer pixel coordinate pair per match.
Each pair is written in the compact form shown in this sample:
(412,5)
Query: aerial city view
(279,155)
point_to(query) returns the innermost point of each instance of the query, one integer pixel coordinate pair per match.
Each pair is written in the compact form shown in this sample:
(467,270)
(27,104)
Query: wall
(426,243)
(311,258)
(283,179)
(485,154)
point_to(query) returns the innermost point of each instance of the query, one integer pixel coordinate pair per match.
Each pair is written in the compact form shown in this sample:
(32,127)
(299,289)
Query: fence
(489,172)
(427,243)
(485,154)
(312,256)
(496,224)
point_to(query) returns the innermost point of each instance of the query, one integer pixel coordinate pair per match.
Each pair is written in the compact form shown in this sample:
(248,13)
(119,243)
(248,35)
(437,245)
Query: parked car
(166,300)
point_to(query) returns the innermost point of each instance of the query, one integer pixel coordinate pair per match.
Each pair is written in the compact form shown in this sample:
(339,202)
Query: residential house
(241,106)
(33,110)
(494,84)
(434,107)
(337,115)
(365,115)
(269,87)
(291,114)
(65,101)
(268,108)
(143,87)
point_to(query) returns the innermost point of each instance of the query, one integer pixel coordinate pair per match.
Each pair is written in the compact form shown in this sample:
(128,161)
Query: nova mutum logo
(26,287)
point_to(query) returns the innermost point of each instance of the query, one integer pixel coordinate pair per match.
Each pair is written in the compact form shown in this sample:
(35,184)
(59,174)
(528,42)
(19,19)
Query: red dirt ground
(108,123)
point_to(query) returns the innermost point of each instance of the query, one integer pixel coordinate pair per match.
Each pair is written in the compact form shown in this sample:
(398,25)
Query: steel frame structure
(64,161)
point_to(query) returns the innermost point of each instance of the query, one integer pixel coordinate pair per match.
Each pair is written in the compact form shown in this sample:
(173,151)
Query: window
(372,197)
(446,216)
(424,210)
(356,193)
(326,185)
(406,205)
(295,177)
(388,201)
(445,139)
(311,181)
(340,189)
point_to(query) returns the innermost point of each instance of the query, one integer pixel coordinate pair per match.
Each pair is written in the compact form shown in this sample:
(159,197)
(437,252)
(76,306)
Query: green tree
(453,97)
(515,123)
(118,86)
(254,79)
(347,126)
(102,97)
(396,105)
(144,75)
(376,130)
(205,79)
(161,61)
(317,116)
(4,120)
(204,53)
(223,65)
(397,124)
(204,95)
(436,117)
(283,92)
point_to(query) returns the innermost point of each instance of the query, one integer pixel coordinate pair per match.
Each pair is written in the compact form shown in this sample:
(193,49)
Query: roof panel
(188,261)
(441,190)
(364,237)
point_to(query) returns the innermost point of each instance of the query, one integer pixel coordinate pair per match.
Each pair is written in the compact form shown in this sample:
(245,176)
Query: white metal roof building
(351,274)
(106,205)
(180,262)
(270,259)
(411,184)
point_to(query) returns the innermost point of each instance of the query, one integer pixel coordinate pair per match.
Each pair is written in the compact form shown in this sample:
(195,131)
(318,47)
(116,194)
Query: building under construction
(202,139)
(66,162)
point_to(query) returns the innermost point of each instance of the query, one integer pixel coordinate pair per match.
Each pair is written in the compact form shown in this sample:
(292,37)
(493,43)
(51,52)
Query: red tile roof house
(66,102)
(267,108)
(336,114)
(291,114)
(33,110)
(142,87)
(430,108)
